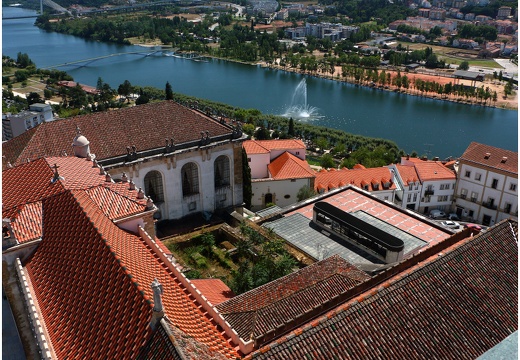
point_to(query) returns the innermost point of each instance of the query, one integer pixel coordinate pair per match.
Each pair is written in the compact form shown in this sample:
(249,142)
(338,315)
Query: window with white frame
(478,176)
(467,174)
(512,187)
(221,171)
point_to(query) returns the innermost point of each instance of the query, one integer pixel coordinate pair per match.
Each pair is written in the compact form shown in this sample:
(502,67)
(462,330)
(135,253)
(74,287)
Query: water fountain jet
(299,109)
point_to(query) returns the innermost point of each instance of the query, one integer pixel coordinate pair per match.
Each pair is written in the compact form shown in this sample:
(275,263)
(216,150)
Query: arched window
(153,186)
(221,171)
(190,179)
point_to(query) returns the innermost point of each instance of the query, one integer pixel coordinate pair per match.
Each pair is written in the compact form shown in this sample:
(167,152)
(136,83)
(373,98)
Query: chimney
(158,310)
(108,178)
(131,185)
(504,159)
(487,155)
(124,178)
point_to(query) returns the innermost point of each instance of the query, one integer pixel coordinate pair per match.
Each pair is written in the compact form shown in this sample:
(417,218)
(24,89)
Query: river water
(437,128)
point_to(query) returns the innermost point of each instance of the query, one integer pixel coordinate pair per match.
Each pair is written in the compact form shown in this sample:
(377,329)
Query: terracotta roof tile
(433,170)
(358,177)
(455,305)
(280,302)
(288,166)
(27,222)
(490,156)
(407,173)
(214,290)
(111,132)
(80,242)
(266,146)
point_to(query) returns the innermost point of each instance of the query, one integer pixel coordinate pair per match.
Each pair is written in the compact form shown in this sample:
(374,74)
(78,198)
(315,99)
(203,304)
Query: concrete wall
(284,192)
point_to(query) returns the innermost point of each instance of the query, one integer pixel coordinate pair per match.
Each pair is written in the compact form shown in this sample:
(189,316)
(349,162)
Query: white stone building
(487,185)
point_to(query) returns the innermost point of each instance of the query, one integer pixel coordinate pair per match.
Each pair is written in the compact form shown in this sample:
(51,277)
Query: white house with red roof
(278,171)
(487,184)
(425,185)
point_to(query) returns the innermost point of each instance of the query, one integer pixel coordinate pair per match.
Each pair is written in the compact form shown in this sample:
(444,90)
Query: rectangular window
(474,196)
(28,124)
(463,193)
(468,173)
(453,186)
(478,176)
(441,187)
(512,187)
(410,187)
(415,197)
(297,153)
(494,183)
(471,212)
(507,208)
(409,198)
(248,159)
(442,198)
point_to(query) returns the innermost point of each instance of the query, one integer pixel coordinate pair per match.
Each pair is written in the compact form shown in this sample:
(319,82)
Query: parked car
(437,214)
(451,224)
(453,216)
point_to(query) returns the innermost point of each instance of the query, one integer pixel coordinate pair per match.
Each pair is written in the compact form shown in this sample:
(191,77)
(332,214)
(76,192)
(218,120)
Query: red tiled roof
(22,199)
(253,147)
(408,173)
(454,305)
(27,222)
(270,145)
(280,302)
(214,290)
(145,126)
(433,170)
(86,313)
(358,177)
(288,166)
(501,159)
(80,243)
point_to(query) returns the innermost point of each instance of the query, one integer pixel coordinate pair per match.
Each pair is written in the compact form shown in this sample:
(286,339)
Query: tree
(23,60)
(169,91)
(247,190)
(125,89)
(305,192)
(262,134)
(327,161)
(142,99)
(291,127)
(33,98)
(463,65)
(77,97)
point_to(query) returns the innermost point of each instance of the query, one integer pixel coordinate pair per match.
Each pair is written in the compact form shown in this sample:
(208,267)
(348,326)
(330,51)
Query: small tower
(80,145)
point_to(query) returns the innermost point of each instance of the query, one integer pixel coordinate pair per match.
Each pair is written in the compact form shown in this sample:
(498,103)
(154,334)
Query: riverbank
(502,102)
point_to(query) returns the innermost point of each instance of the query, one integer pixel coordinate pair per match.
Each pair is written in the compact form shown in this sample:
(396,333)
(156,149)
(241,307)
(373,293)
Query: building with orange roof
(278,171)
(424,185)
(70,223)
(185,160)
(487,184)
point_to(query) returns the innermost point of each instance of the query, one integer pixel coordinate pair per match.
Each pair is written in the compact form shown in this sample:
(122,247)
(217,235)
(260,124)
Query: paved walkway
(12,348)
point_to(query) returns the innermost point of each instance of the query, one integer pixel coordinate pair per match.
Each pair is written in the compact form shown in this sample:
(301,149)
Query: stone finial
(78,130)
(157,292)
(63,153)
(56,176)
(140,193)
(101,170)
(149,204)
(131,185)
(9,165)
(124,178)
(94,163)
(108,178)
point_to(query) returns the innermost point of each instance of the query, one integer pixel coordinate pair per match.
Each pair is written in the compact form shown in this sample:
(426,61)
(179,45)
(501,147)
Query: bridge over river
(48,3)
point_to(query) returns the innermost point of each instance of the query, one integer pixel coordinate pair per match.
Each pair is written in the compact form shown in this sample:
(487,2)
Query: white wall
(280,189)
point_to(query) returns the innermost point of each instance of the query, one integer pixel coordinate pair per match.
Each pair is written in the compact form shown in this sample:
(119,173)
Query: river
(433,127)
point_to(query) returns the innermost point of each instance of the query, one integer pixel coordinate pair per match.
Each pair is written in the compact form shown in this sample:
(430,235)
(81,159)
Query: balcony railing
(489,205)
(429,192)
(463,196)
(474,199)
